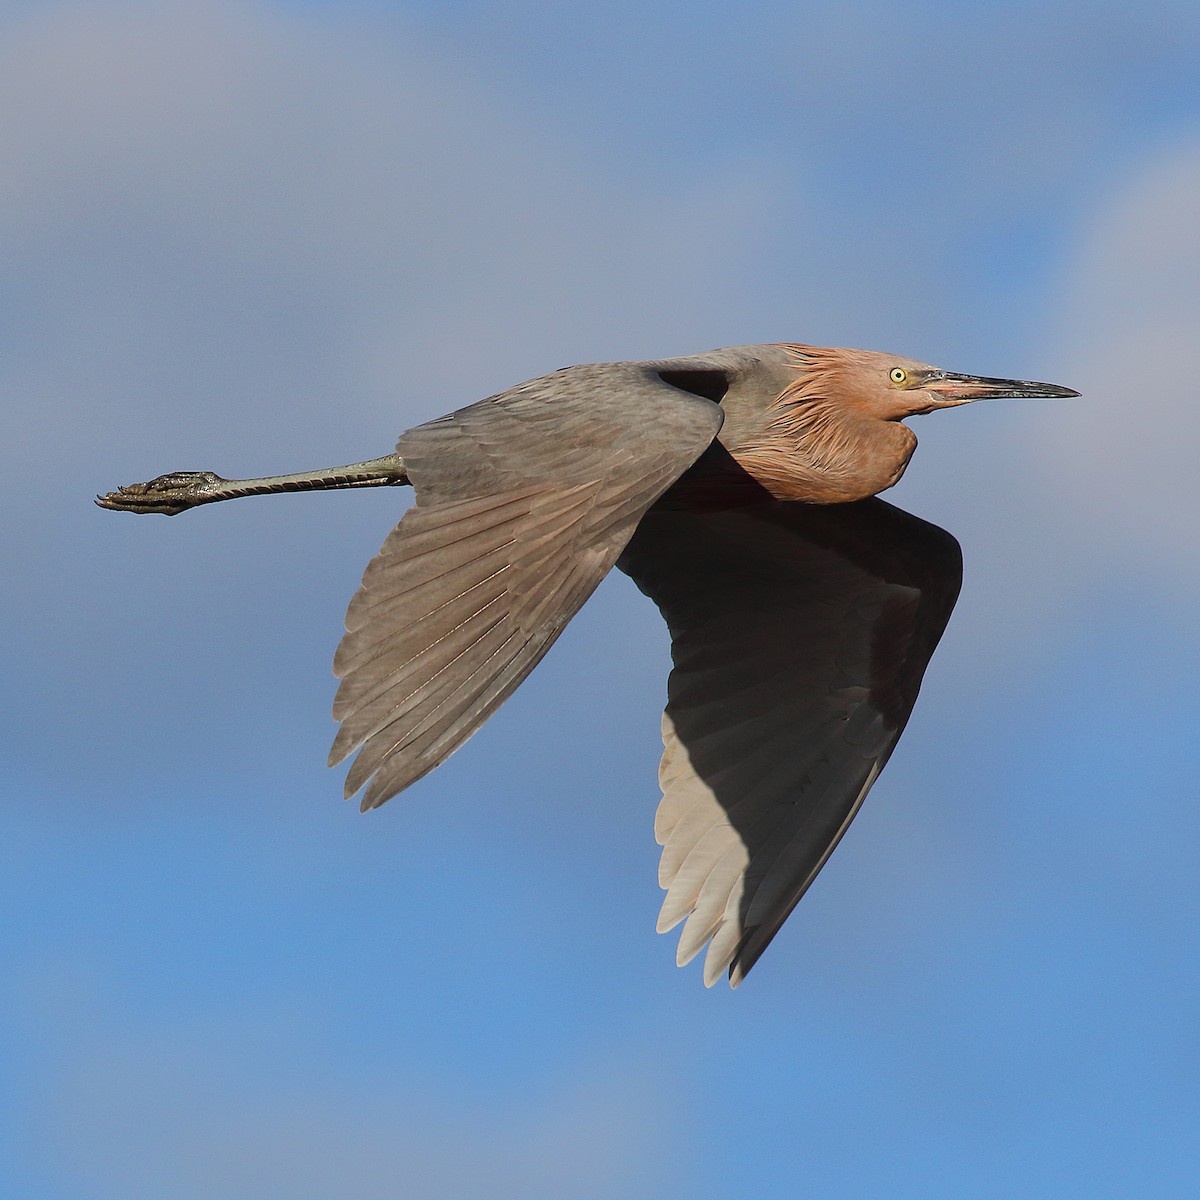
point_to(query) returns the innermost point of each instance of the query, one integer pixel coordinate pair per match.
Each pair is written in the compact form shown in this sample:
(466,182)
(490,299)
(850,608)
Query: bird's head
(891,388)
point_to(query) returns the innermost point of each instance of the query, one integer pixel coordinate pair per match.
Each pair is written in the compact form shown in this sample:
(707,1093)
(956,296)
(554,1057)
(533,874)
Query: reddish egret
(800,631)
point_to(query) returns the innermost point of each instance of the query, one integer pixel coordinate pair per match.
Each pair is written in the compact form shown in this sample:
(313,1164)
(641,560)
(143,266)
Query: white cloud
(196,193)
(1123,460)
(244,238)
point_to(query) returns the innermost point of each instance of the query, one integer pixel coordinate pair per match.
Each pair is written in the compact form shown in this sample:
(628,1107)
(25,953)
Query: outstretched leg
(181,490)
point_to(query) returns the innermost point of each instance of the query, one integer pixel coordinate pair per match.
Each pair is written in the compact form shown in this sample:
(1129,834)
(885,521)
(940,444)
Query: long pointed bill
(950,389)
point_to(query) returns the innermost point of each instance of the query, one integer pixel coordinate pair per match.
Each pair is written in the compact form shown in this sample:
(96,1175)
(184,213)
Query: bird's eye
(898,375)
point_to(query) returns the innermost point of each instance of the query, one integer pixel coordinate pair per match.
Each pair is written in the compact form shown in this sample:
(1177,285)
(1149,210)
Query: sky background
(260,237)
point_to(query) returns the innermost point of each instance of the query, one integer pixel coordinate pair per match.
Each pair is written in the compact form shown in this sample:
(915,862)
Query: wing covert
(523,503)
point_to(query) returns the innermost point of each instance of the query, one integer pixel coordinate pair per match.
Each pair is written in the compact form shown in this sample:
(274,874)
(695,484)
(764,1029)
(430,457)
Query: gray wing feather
(523,503)
(800,635)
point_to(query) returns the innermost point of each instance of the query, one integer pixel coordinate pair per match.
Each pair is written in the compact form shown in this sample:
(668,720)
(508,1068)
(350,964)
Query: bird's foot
(168,494)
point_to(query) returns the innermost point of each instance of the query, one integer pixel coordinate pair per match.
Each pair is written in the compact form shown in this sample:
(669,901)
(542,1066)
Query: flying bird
(734,487)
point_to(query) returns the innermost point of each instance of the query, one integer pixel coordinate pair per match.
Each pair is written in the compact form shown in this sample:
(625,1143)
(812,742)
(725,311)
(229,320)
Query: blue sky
(262,237)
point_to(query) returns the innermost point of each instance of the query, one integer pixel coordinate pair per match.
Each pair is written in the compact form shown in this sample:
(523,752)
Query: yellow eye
(898,375)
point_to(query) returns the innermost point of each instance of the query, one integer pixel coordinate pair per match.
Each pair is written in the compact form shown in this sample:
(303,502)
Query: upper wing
(800,634)
(523,503)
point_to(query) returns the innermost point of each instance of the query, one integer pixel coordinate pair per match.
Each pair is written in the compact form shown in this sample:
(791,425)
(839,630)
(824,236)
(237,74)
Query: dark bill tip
(963,388)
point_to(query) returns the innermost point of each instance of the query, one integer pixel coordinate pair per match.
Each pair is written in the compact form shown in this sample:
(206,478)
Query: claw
(167,494)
